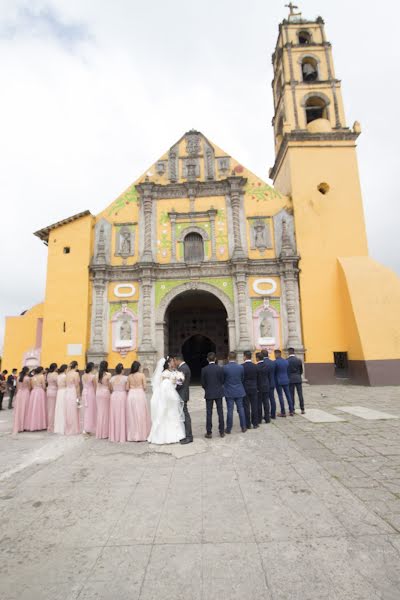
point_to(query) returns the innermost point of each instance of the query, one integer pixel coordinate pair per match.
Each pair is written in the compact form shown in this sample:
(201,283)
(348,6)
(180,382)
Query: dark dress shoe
(303,412)
(282,415)
(221,433)
(228,431)
(208,436)
(244,429)
(186,441)
(268,421)
(291,414)
(256,426)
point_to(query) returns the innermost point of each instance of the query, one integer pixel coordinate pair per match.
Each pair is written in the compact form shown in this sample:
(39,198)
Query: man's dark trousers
(284,388)
(220,411)
(272,402)
(263,403)
(299,388)
(11,393)
(250,405)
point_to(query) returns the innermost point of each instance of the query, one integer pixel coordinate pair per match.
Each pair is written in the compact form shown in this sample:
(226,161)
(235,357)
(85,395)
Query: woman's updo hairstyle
(119,368)
(73,365)
(62,369)
(89,367)
(38,370)
(135,367)
(53,367)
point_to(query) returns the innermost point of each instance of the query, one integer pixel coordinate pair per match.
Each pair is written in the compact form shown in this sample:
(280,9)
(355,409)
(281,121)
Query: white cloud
(93,92)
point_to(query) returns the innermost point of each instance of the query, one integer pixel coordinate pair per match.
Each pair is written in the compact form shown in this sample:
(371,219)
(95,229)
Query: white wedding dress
(166,409)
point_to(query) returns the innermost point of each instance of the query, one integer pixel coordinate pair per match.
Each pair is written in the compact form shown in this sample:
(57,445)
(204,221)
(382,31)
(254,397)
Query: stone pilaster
(172,217)
(242,299)
(146,351)
(213,214)
(236,188)
(97,351)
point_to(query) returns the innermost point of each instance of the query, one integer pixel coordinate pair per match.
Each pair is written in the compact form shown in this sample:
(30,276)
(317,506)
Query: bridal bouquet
(78,403)
(177,378)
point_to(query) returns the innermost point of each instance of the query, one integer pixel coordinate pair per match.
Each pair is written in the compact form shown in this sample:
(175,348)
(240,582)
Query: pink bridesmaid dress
(51,400)
(21,403)
(71,409)
(103,407)
(137,411)
(36,414)
(118,409)
(89,403)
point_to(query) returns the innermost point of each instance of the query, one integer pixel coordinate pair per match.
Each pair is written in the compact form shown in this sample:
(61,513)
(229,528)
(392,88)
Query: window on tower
(309,69)
(194,248)
(316,108)
(304,38)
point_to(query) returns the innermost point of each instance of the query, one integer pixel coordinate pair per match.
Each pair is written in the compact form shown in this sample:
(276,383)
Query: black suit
(295,372)
(263,392)
(271,376)
(212,380)
(250,401)
(183,391)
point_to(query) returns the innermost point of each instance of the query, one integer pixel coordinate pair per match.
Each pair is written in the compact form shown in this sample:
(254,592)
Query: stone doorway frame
(161,324)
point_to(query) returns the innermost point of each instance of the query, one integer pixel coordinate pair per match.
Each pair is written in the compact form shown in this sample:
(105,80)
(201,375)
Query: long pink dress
(21,403)
(89,403)
(138,422)
(103,407)
(51,399)
(36,414)
(118,409)
(72,417)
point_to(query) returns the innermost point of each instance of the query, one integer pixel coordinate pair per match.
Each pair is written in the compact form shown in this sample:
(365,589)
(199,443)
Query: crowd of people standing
(114,406)
(251,388)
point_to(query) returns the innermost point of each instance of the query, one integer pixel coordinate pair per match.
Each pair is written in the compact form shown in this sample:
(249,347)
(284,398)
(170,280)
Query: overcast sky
(94,91)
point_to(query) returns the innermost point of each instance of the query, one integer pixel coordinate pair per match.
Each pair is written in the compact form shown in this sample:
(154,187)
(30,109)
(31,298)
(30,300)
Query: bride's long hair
(167,363)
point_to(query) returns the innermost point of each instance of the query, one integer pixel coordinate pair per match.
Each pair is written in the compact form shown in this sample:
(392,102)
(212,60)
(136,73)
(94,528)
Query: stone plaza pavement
(295,510)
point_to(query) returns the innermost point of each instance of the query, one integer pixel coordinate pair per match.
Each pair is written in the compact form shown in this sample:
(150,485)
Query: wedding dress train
(166,409)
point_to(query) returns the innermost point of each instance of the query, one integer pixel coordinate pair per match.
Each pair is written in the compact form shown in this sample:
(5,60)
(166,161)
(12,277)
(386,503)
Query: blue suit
(272,385)
(234,393)
(282,384)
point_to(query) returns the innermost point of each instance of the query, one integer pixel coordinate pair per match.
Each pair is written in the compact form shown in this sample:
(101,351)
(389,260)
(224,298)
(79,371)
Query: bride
(166,405)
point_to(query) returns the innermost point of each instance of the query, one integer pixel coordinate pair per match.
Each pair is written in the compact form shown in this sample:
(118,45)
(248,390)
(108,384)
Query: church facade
(199,254)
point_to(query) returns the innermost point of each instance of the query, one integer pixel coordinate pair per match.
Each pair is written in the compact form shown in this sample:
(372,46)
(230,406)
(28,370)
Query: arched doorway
(195,324)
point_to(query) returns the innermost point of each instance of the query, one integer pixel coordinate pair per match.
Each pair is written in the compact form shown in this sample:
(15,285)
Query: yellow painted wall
(20,336)
(326,226)
(371,308)
(68,291)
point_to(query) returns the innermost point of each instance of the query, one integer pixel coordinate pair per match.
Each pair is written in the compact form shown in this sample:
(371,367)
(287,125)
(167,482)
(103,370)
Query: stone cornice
(305,136)
(200,189)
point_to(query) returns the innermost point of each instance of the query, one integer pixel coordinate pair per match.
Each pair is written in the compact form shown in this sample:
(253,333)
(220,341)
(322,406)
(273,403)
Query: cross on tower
(292,7)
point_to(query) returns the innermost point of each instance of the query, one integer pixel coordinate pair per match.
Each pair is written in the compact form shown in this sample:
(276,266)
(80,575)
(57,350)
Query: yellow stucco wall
(20,336)
(68,292)
(326,226)
(372,309)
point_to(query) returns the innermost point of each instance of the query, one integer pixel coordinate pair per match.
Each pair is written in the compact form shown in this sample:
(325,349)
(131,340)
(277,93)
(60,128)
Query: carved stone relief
(102,242)
(173,164)
(191,168)
(278,219)
(193,139)
(161,167)
(125,241)
(209,161)
(224,165)
(260,234)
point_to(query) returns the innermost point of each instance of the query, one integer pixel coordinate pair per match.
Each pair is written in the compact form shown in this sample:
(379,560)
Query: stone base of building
(360,372)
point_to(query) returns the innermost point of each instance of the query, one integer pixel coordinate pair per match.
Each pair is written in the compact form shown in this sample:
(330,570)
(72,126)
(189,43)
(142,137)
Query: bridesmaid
(89,399)
(59,413)
(118,405)
(137,412)
(103,401)
(36,414)
(21,400)
(51,396)
(72,397)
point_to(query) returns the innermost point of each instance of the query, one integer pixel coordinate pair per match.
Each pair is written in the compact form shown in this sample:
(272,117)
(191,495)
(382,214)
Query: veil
(156,379)
(156,384)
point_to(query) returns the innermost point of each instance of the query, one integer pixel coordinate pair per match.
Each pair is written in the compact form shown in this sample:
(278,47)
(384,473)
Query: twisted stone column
(236,187)
(292,308)
(146,315)
(97,351)
(147,204)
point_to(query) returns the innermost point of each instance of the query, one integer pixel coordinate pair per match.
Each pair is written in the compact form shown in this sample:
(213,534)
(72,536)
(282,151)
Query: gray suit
(183,391)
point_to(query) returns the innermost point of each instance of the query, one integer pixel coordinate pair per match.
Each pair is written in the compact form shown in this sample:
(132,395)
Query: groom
(183,391)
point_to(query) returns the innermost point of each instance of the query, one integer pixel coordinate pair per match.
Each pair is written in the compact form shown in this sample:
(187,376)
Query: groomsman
(234,392)
(250,385)
(263,389)
(11,386)
(282,383)
(295,371)
(212,381)
(271,377)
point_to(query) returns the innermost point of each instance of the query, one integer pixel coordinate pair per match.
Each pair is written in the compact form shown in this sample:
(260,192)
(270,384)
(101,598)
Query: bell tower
(316,165)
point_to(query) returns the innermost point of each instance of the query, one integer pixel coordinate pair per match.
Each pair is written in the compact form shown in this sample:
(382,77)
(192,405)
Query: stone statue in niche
(260,235)
(125,331)
(125,242)
(266,325)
